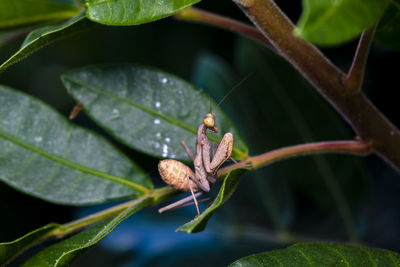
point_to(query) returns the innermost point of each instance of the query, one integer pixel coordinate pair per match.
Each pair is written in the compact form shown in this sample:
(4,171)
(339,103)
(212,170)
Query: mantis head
(209,122)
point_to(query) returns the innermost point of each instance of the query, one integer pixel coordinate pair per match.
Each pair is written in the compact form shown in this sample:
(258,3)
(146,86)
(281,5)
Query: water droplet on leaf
(165,150)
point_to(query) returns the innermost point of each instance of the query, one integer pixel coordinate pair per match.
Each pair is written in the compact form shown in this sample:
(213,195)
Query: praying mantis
(181,177)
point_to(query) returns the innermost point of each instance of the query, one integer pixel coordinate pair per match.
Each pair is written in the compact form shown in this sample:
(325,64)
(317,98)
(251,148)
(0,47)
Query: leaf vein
(340,254)
(395,263)
(305,256)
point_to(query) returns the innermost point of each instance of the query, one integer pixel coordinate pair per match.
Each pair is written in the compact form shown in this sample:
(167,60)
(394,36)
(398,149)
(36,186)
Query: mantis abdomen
(175,174)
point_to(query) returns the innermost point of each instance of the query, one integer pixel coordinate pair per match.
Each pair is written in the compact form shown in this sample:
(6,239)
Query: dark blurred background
(321,198)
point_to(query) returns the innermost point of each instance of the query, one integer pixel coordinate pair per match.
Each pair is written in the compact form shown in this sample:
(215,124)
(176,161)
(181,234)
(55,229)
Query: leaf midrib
(76,166)
(169,119)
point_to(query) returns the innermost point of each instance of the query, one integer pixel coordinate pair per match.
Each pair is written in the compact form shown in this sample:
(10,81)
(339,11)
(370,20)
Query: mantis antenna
(234,87)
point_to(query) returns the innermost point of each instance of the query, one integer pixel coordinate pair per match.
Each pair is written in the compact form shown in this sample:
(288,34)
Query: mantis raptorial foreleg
(223,152)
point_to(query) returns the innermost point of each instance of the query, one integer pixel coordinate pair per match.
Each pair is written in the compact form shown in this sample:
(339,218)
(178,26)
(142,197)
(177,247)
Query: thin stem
(197,15)
(348,147)
(355,77)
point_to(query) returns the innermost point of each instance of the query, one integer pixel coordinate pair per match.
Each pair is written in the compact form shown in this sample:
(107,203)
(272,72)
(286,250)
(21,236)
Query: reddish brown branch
(347,147)
(204,17)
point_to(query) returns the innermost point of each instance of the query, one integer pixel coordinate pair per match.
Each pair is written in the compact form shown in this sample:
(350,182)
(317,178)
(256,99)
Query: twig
(355,77)
(347,147)
(205,17)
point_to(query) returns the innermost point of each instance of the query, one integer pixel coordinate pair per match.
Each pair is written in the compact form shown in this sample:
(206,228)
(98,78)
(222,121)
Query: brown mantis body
(181,177)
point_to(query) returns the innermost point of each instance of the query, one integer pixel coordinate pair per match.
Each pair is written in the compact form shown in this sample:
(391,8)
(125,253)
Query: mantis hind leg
(179,203)
(194,197)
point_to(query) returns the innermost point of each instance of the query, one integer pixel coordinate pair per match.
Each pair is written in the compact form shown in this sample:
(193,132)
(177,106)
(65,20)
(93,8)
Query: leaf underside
(46,35)
(44,155)
(327,22)
(229,185)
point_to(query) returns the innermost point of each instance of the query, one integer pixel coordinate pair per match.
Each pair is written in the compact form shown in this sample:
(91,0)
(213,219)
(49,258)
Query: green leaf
(45,36)
(322,254)
(332,22)
(44,155)
(64,252)
(147,109)
(9,250)
(19,13)
(133,12)
(388,31)
(229,185)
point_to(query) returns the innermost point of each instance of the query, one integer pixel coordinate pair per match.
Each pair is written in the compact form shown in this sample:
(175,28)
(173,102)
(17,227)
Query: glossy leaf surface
(18,13)
(9,250)
(229,185)
(133,12)
(322,254)
(147,109)
(66,251)
(44,155)
(327,22)
(388,31)
(45,36)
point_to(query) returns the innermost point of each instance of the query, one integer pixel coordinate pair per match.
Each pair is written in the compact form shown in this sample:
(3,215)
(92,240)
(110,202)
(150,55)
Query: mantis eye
(209,120)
